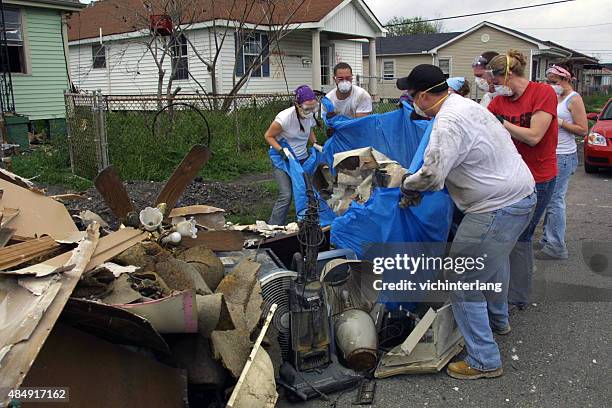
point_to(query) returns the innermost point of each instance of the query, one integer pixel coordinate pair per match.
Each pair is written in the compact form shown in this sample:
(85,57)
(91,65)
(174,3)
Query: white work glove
(318,147)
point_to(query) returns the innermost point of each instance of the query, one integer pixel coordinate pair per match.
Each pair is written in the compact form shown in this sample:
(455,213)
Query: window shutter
(266,55)
(240,59)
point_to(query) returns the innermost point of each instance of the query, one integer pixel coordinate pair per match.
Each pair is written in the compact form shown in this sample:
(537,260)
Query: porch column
(316,60)
(372,86)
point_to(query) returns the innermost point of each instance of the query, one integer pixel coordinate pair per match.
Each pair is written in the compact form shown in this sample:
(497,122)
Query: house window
(98,53)
(325,68)
(535,70)
(388,72)
(445,66)
(14,40)
(180,60)
(253,51)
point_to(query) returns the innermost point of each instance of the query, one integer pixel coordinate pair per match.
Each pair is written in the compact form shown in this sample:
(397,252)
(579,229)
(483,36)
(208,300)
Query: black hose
(193,107)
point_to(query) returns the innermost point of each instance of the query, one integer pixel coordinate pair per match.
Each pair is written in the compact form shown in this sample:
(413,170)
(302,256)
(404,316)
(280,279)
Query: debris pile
(174,295)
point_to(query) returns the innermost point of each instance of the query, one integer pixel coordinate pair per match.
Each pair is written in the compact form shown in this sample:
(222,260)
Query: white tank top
(567,142)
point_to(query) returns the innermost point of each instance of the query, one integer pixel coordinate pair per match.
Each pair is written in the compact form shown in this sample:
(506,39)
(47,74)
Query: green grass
(238,146)
(50,164)
(595,103)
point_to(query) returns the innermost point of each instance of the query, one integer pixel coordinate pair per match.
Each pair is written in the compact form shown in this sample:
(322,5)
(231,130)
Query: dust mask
(503,90)
(558,89)
(344,86)
(482,84)
(419,111)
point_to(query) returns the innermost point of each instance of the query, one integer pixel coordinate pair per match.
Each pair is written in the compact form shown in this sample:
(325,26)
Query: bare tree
(241,20)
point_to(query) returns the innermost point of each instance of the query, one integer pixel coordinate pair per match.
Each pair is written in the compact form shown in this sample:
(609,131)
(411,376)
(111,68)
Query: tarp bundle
(380,219)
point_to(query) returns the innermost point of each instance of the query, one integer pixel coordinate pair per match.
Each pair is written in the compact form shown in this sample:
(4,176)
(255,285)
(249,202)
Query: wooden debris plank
(111,188)
(19,253)
(184,174)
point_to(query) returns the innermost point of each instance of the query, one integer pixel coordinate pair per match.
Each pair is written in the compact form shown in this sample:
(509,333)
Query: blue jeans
(494,234)
(283,203)
(521,258)
(553,239)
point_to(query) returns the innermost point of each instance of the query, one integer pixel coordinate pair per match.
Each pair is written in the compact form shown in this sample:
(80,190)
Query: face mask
(307,115)
(503,90)
(558,89)
(482,84)
(420,111)
(344,86)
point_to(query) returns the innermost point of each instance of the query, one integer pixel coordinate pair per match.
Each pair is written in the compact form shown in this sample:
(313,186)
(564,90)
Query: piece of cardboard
(7,215)
(38,214)
(193,210)
(19,358)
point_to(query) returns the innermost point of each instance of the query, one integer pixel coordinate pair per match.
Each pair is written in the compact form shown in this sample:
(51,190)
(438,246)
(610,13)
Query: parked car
(598,141)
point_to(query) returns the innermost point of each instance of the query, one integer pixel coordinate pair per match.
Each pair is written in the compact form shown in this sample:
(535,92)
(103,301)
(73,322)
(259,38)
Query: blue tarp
(378,220)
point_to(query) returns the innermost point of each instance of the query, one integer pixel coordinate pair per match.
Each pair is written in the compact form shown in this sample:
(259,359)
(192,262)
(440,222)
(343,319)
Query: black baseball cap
(423,77)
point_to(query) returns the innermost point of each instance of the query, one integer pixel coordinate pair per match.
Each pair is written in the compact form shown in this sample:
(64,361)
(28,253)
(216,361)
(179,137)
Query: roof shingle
(123,16)
(409,44)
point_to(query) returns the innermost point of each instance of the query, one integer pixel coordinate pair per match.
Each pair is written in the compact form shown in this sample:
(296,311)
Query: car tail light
(596,139)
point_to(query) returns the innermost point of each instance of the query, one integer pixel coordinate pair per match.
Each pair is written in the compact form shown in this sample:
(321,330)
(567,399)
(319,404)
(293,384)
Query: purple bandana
(304,93)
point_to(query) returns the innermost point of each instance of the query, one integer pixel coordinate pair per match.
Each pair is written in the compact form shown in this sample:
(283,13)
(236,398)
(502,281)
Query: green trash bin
(17,130)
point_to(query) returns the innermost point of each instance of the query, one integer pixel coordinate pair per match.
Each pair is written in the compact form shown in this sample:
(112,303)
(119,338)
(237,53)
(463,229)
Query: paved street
(558,354)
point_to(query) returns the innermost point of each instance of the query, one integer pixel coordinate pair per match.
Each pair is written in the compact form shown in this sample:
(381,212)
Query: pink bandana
(557,70)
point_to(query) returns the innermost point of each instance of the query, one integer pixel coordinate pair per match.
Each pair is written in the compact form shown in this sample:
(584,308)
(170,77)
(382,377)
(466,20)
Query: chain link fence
(145,137)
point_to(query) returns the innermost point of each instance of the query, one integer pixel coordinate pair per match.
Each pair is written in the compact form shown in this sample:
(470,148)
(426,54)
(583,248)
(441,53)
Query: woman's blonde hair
(514,61)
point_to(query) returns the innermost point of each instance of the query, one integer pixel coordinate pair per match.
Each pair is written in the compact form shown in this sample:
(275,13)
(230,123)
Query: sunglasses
(346,78)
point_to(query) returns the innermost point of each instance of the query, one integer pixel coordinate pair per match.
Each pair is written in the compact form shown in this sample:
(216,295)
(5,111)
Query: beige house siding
(403,65)
(464,50)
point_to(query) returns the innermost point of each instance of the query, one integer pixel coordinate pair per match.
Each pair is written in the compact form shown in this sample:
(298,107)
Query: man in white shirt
(475,158)
(348,99)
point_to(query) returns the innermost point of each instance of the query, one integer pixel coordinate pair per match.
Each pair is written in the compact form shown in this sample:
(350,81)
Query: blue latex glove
(327,104)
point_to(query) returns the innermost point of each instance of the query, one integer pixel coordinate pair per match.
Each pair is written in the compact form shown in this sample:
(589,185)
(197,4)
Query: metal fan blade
(183,175)
(110,186)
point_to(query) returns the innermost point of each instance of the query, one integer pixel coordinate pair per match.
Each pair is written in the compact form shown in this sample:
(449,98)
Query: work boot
(543,256)
(502,331)
(462,371)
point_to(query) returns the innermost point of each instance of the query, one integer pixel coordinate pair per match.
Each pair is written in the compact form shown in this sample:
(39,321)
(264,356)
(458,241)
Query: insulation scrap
(265,229)
(358,172)
(206,262)
(141,255)
(179,275)
(242,293)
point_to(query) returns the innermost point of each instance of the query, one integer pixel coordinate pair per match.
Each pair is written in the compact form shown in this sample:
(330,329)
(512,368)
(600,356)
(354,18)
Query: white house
(107,53)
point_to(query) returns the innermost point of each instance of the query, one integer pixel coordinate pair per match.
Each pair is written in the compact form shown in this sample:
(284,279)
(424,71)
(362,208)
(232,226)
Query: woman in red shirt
(528,110)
